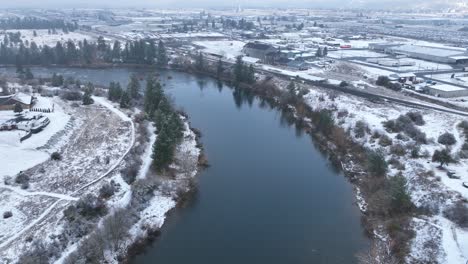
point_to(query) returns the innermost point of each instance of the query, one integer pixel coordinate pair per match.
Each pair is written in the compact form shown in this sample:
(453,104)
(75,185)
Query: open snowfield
(43,38)
(227,49)
(436,237)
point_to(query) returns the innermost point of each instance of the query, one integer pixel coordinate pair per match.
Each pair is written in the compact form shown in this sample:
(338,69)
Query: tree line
(169,125)
(36,23)
(84,52)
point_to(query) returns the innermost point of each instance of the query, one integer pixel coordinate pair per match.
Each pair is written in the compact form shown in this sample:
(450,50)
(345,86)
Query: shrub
(108,189)
(56,156)
(7,214)
(376,163)
(458,213)
(130,171)
(90,206)
(22,178)
(398,150)
(71,95)
(447,139)
(382,81)
(38,254)
(443,156)
(416,117)
(415,151)
(360,129)
(385,141)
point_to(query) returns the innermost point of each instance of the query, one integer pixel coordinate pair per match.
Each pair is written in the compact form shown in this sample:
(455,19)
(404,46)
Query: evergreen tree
(200,63)
(18,108)
(250,75)
(87,100)
(28,74)
(291,88)
(162,55)
(125,100)
(134,87)
(239,70)
(325,51)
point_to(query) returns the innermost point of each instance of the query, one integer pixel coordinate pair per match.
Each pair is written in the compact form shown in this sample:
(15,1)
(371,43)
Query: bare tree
(115,228)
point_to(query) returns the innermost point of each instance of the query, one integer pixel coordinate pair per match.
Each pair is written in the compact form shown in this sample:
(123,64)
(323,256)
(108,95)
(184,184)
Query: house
(8,102)
(265,52)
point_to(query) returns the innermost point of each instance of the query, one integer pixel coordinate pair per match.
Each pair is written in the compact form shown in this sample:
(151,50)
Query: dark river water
(269,196)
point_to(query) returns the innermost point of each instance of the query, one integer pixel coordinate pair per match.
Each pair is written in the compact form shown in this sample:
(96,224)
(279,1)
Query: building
(265,52)
(446,90)
(8,102)
(435,54)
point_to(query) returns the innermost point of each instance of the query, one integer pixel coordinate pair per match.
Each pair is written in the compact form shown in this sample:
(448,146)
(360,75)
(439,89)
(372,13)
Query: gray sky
(208,3)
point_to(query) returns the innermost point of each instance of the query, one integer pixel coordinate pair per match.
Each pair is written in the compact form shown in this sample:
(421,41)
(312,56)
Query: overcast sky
(204,3)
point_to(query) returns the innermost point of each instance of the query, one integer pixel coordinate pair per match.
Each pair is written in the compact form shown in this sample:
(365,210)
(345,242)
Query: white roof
(441,52)
(446,87)
(460,57)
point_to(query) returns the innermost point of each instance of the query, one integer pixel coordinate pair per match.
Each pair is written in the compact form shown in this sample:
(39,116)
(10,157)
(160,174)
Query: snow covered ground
(43,38)
(226,48)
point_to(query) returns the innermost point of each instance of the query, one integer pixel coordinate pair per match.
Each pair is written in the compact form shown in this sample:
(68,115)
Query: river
(270,196)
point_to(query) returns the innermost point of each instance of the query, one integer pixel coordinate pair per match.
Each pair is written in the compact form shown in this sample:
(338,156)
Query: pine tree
(87,100)
(162,56)
(18,108)
(28,74)
(291,88)
(125,100)
(134,87)
(250,74)
(239,70)
(200,63)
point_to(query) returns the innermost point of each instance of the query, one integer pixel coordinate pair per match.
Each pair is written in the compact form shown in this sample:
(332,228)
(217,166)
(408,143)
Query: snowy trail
(49,194)
(66,197)
(33,223)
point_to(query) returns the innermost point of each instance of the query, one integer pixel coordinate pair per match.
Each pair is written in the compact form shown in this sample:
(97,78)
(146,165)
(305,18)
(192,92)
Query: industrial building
(446,90)
(265,52)
(441,55)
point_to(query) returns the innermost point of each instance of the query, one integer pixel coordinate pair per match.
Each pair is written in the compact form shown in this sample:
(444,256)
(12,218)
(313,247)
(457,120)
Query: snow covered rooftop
(447,87)
(441,52)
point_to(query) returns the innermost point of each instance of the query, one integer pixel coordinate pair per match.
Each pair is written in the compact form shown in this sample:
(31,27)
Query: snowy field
(227,49)
(43,38)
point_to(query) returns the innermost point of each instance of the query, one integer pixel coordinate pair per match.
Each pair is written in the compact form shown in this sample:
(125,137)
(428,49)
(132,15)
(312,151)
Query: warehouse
(441,55)
(446,90)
